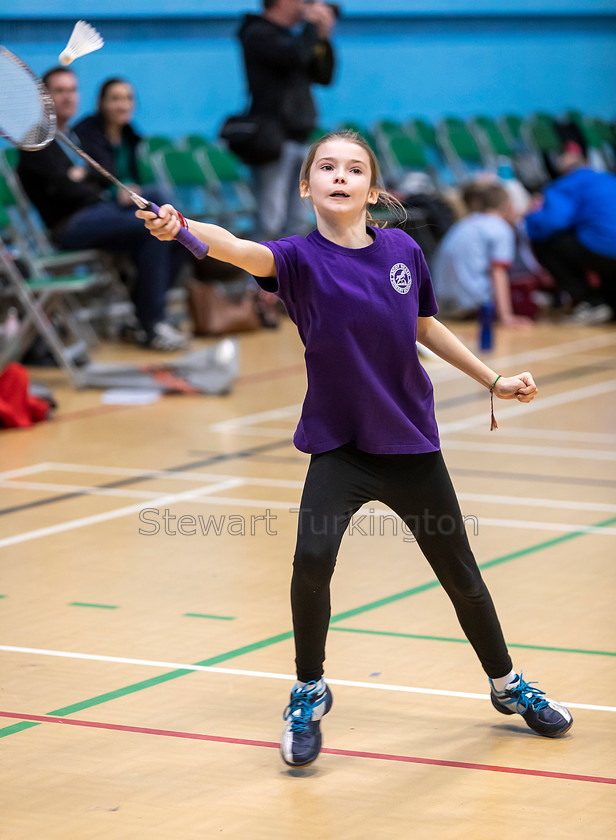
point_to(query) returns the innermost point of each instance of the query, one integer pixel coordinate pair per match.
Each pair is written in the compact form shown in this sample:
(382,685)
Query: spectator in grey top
(472,262)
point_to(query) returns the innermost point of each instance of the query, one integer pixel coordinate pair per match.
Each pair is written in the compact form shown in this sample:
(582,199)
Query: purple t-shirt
(356,312)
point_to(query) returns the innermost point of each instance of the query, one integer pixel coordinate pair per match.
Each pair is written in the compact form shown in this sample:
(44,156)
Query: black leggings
(419,490)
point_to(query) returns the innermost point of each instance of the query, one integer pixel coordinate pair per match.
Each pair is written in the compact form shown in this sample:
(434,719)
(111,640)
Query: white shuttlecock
(84,39)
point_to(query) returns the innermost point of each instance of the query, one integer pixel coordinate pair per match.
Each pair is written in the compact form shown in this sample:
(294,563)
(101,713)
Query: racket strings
(27,115)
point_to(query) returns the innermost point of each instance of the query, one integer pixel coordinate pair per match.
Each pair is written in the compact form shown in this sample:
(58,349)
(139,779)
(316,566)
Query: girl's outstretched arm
(441,341)
(251,256)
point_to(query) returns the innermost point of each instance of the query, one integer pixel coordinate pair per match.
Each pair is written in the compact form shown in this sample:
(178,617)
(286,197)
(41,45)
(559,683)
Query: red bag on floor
(17,407)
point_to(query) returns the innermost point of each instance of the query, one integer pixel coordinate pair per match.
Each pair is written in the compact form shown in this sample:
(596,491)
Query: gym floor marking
(409,759)
(290,507)
(552,434)
(119,512)
(444,374)
(234,482)
(421,637)
(206,615)
(86,489)
(535,451)
(245,425)
(241,672)
(280,637)
(95,606)
(559,399)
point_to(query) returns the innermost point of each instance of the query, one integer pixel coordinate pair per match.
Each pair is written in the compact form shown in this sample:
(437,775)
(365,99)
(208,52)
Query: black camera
(335,7)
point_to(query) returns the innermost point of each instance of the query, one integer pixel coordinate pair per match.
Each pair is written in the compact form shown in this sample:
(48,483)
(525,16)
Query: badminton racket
(28,121)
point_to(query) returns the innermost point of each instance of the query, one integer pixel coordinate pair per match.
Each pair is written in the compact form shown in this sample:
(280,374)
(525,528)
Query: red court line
(409,759)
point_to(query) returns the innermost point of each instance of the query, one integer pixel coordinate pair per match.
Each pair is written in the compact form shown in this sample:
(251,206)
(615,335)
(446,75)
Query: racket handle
(196,247)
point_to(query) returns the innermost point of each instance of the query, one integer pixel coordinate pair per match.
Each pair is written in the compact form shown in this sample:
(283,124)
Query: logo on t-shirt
(400,277)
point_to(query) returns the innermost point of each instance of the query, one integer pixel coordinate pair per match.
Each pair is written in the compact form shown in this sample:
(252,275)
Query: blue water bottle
(486,321)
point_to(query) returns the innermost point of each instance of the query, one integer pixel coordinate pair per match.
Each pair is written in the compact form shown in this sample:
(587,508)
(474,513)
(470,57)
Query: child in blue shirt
(472,262)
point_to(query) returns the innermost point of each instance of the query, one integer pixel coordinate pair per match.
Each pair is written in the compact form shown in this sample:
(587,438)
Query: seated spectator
(80,211)
(110,138)
(573,233)
(472,262)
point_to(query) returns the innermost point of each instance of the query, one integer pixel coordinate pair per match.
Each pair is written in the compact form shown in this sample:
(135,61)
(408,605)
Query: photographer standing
(286,50)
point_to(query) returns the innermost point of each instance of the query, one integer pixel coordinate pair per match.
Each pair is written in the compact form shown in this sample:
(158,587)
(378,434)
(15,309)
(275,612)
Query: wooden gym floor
(144,675)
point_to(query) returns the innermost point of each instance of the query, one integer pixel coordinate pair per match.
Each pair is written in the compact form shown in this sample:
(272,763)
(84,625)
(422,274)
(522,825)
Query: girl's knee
(466,584)
(314,566)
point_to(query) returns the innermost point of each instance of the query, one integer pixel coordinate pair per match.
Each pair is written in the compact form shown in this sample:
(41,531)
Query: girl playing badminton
(361,296)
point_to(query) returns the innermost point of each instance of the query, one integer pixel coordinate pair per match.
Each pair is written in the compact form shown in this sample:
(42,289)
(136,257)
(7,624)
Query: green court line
(143,684)
(272,640)
(96,606)
(432,584)
(466,641)
(204,615)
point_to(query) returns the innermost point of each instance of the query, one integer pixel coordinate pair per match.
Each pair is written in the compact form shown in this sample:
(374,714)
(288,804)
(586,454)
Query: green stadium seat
(511,127)
(194,141)
(145,168)
(539,132)
(9,158)
(24,228)
(607,134)
(389,128)
(230,184)
(460,148)
(492,136)
(317,133)
(363,131)
(47,306)
(598,138)
(156,143)
(181,171)
(463,142)
(225,166)
(424,132)
(182,168)
(408,153)
(400,155)
(606,131)
(47,288)
(147,149)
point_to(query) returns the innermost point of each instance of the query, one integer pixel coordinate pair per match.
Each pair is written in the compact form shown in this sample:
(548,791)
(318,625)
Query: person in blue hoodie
(574,235)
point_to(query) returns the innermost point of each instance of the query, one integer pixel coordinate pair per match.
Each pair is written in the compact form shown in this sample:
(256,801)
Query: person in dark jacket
(110,138)
(80,212)
(282,61)
(573,234)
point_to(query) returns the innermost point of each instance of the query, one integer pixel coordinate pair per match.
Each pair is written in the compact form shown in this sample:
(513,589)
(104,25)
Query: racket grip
(196,247)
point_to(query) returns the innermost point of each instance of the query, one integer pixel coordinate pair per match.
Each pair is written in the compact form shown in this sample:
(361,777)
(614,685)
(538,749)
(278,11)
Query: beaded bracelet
(493,423)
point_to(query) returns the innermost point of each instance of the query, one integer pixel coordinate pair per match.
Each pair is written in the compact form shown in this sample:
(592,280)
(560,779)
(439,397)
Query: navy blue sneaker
(544,716)
(301,739)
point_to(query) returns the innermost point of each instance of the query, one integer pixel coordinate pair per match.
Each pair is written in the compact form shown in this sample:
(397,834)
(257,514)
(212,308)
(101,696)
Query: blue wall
(406,58)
